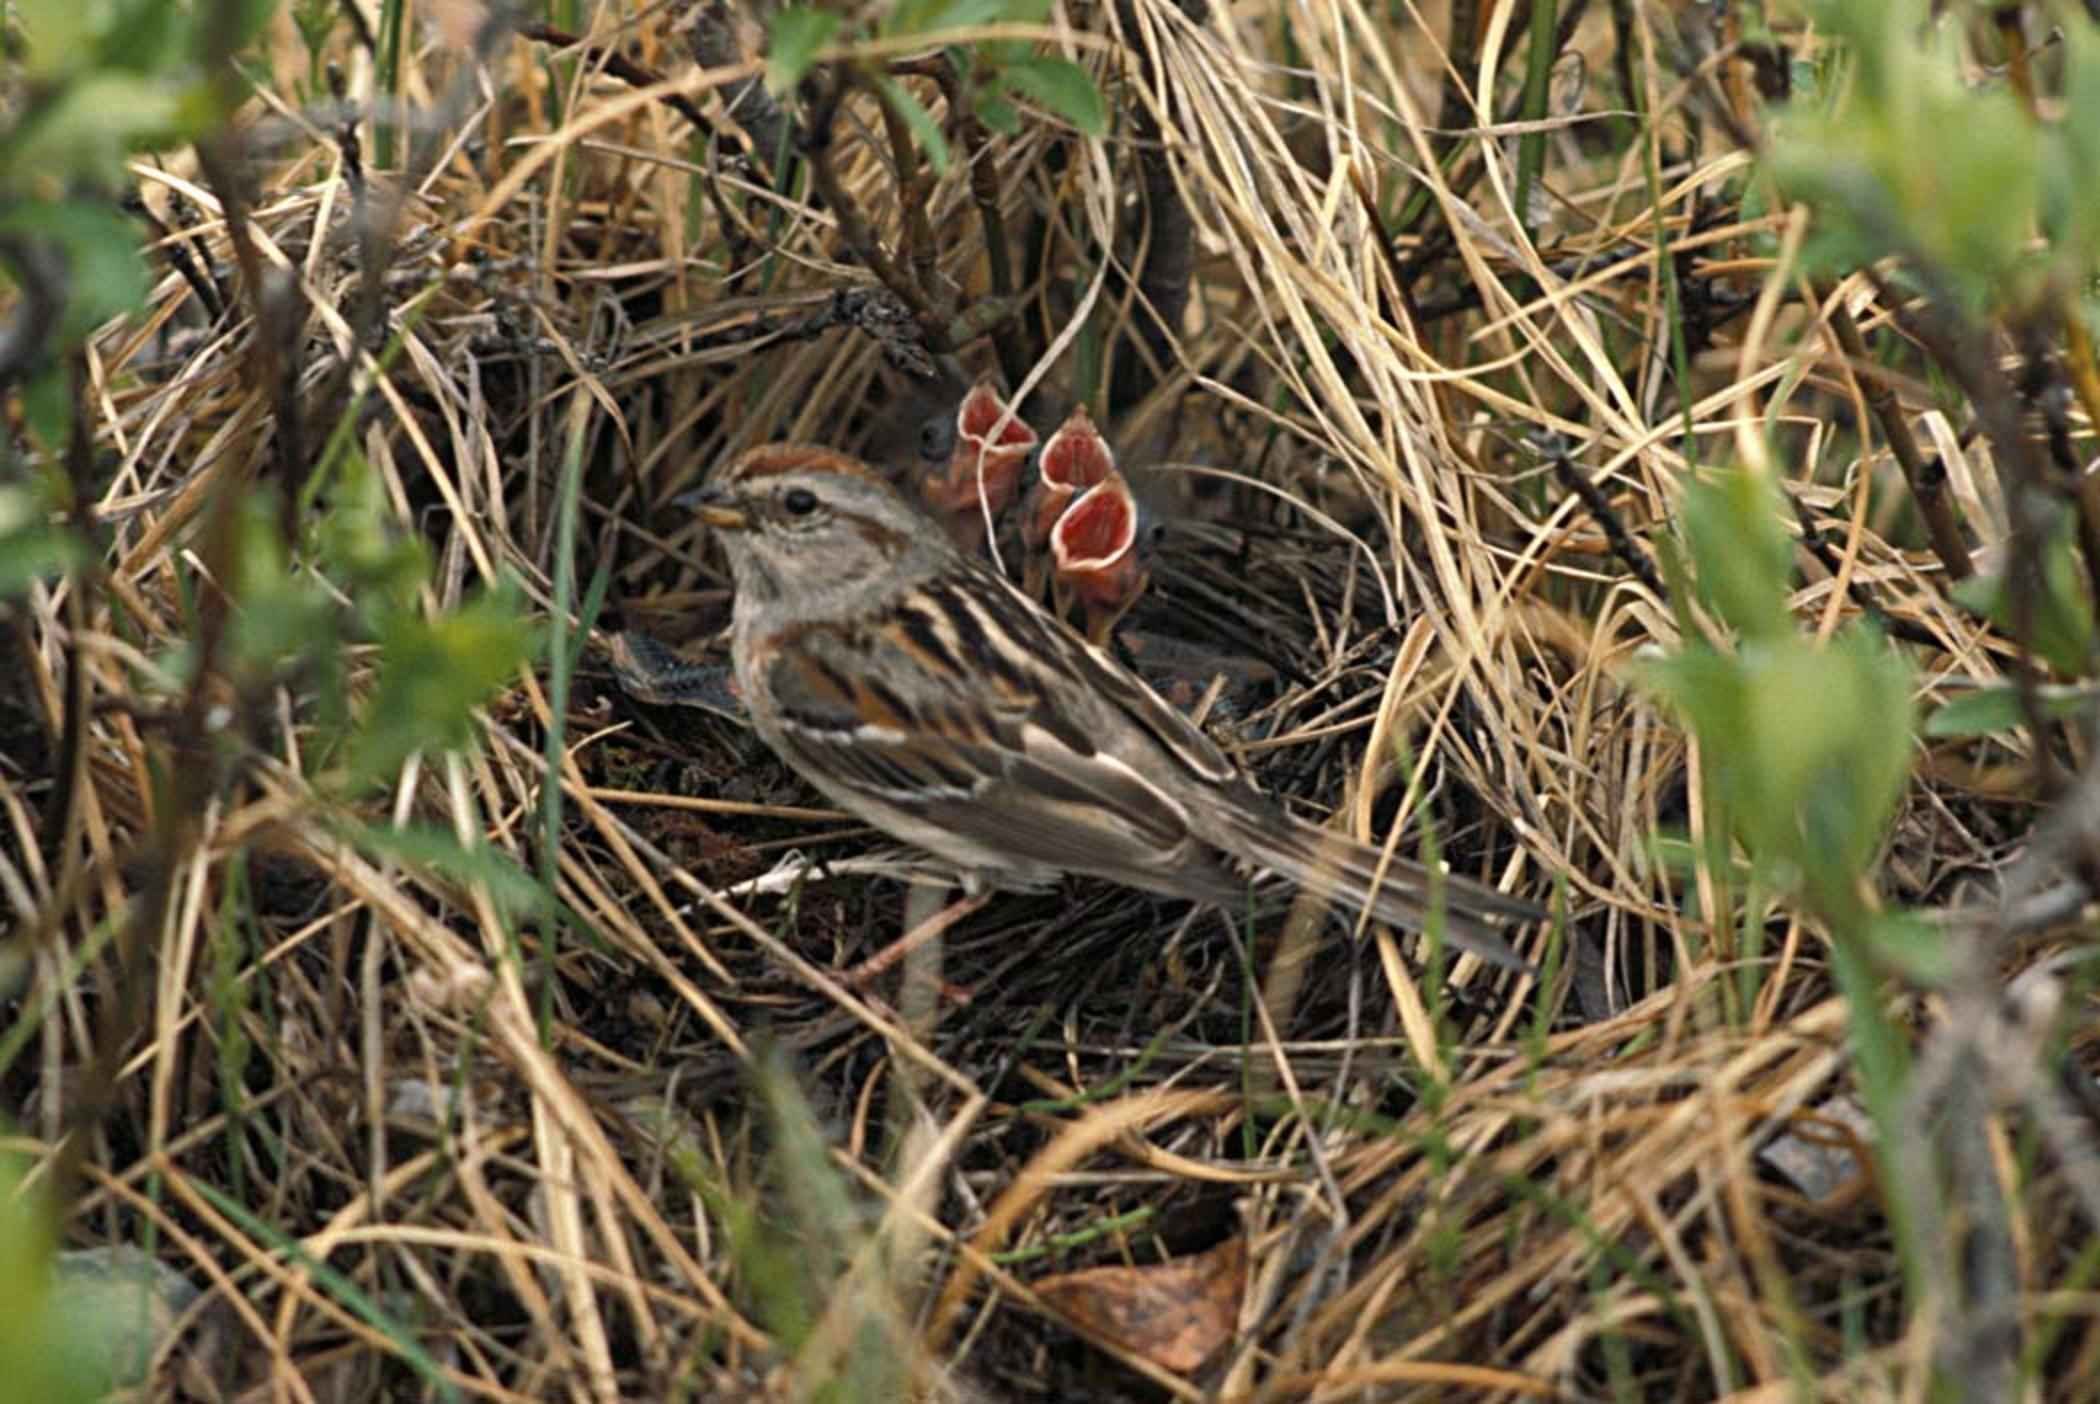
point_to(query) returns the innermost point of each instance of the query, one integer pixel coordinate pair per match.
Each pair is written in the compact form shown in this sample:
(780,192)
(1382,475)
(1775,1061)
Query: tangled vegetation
(1636,452)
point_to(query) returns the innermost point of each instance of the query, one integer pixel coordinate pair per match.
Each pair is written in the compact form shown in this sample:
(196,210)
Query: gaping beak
(1097,557)
(716,506)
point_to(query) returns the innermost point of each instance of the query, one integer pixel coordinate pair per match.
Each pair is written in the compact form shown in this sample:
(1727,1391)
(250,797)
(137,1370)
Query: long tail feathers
(1340,868)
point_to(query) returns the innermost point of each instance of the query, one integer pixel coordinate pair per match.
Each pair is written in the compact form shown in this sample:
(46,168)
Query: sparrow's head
(808,525)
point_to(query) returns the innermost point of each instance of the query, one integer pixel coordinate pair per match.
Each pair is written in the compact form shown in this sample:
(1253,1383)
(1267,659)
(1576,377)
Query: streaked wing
(1005,740)
(1003,750)
(1092,673)
(1248,827)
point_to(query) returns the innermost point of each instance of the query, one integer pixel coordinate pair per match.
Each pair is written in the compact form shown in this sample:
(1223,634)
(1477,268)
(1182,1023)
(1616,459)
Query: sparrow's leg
(925,919)
(1105,611)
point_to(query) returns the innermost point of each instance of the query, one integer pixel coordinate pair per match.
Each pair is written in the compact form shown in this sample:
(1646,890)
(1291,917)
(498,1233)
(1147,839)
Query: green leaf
(254,17)
(35,553)
(1984,710)
(354,534)
(1807,747)
(1742,553)
(1847,809)
(115,1304)
(105,269)
(284,617)
(45,1354)
(432,674)
(47,402)
(1674,853)
(2073,167)
(969,14)
(1976,713)
(146,36)
(906,17)
(1915,160)
(935,17)
(84,134)
(1911,945)
(918,121)
(794,38)
(1061,87)
(427,848)
(998,114)
(277,628)
(2061,618)
(60,35)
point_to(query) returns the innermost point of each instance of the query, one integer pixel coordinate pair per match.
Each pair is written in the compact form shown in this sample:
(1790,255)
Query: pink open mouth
(1075,459)
(1095,547)
(979,417)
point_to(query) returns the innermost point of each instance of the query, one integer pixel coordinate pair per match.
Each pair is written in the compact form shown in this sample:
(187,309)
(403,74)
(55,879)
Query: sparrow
(919,690)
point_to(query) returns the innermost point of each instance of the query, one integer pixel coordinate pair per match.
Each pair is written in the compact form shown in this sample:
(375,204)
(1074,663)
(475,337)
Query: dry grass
(418,1144)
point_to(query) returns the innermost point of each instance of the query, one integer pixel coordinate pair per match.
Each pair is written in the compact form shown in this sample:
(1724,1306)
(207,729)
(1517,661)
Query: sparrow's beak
(716,506)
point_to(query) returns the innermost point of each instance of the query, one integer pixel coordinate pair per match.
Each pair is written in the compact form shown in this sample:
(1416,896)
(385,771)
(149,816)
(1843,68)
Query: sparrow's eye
(798,502)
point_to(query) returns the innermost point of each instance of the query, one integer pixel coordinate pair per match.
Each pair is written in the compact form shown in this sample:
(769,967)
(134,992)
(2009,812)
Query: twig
(1168,239)
(360,28)
(1928,483)
(873,311)
(279,325)
(853,225)
(1555,450)
(72,752)
(744,252)
(176,248)
(1982,1351)
(774,139)
(2079,362)
(984,189)
(1464,33)
(1962,350)
(193,777)
(2041,391)
(922,253)
(275,303)
(2010,22)
(1818,544)
(626,70)
(1625,45)
(41,273)
(976,141)
(1387,253)
(365,316)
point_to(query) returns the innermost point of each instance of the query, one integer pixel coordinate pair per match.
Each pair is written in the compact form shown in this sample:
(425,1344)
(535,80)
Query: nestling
(919,690)
(1097,555)
(986,452)
(1072,460)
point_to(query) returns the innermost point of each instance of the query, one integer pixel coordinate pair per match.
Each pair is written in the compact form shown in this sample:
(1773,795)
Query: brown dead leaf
(1175,1314)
